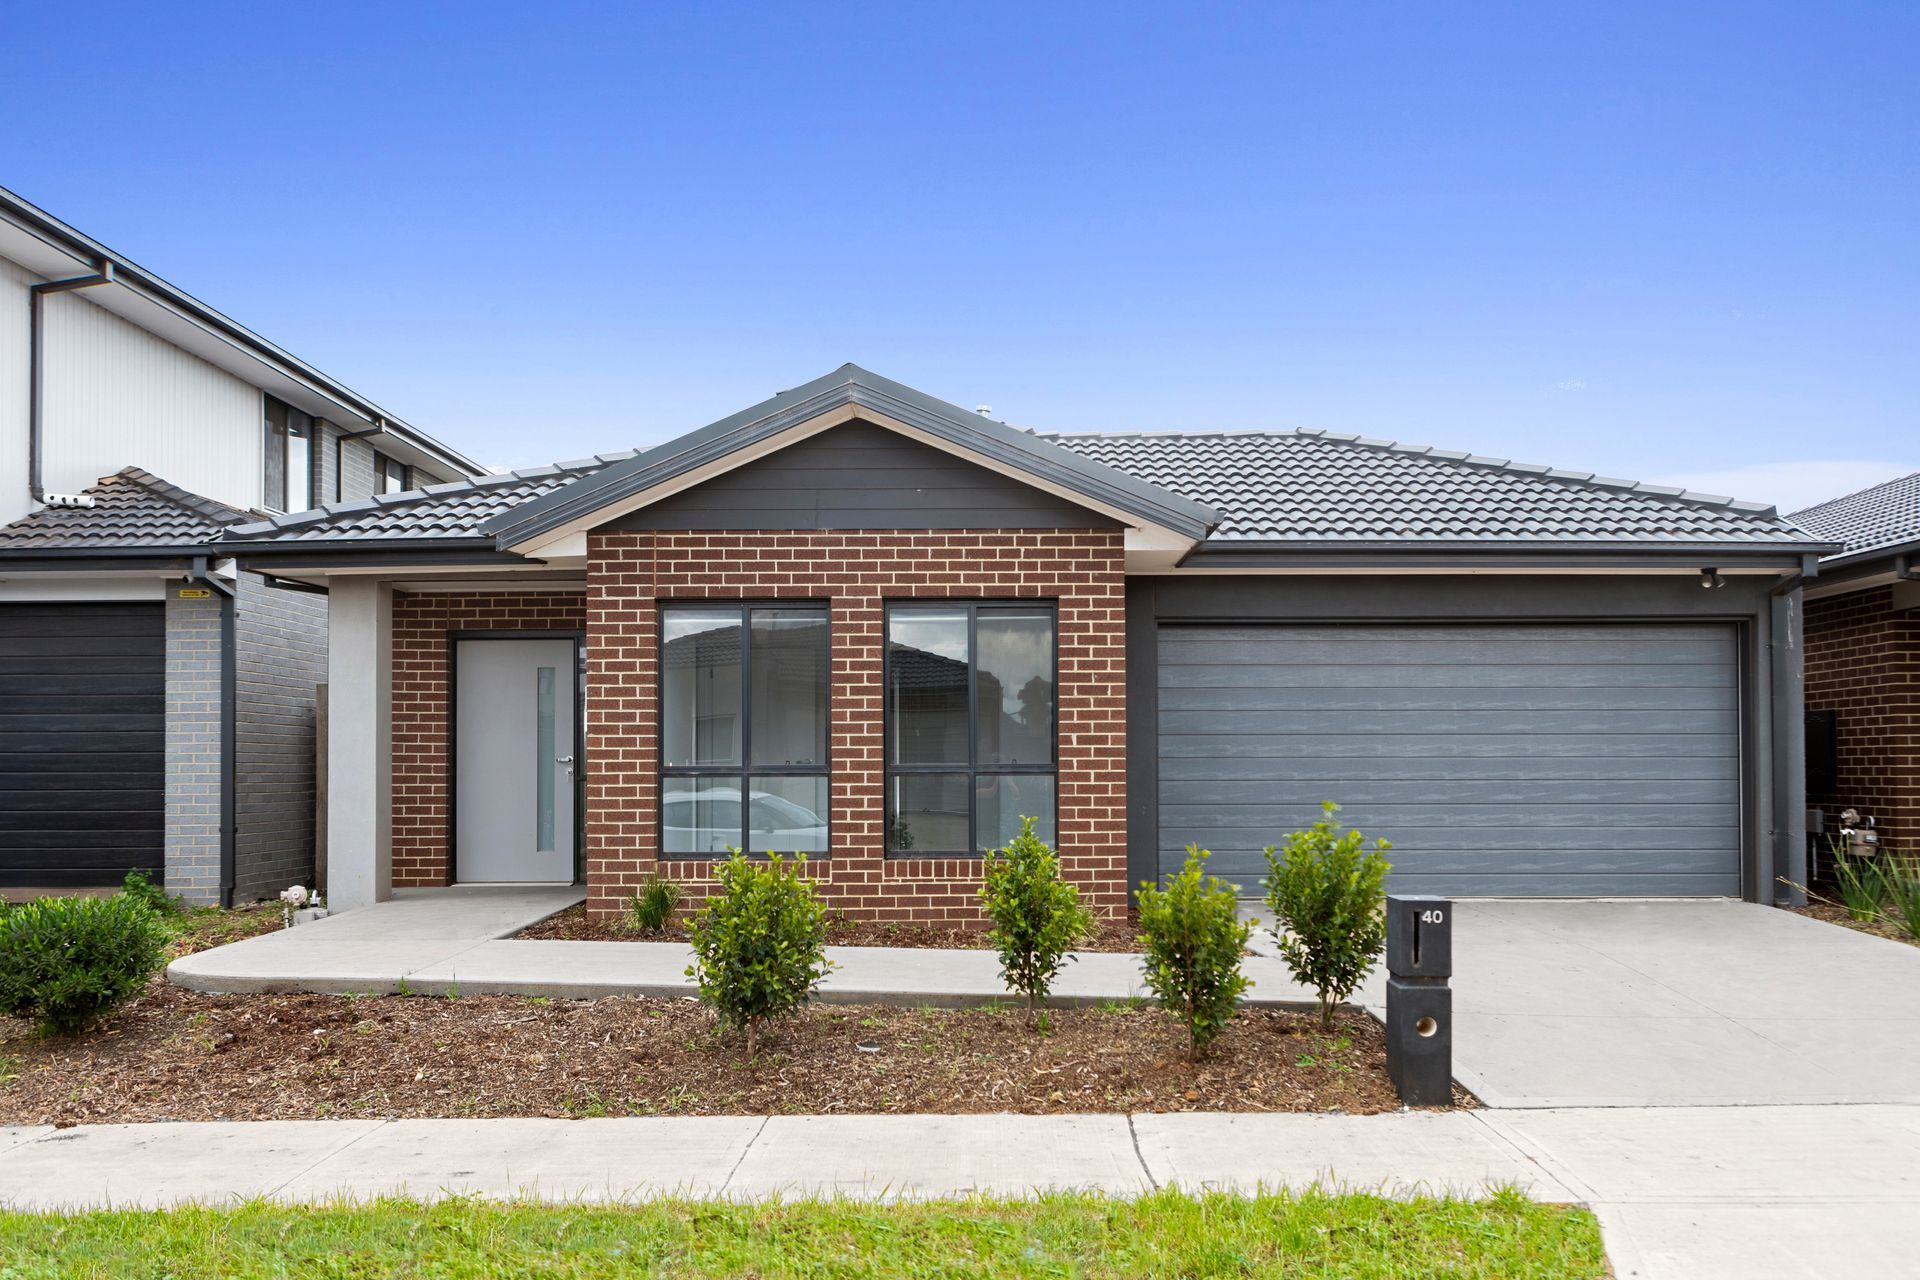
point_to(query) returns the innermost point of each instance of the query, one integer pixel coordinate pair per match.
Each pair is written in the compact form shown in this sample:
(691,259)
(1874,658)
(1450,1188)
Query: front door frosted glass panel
(513,763)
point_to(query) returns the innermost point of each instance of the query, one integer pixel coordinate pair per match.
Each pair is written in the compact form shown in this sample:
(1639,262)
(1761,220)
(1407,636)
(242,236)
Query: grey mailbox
(1419,1002)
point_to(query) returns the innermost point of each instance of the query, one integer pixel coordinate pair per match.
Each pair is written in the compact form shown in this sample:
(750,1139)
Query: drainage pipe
(36,375)
(229,702)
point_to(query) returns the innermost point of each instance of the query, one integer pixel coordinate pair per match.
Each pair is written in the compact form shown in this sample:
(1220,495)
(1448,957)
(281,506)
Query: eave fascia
(1763,559)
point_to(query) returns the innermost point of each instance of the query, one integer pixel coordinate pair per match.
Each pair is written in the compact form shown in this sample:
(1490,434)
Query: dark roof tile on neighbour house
(1873,519)
(1310,486)
(456,509)
(132,509)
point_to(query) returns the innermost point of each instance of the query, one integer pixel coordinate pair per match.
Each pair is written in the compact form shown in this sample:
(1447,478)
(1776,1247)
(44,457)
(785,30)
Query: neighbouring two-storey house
(157,705)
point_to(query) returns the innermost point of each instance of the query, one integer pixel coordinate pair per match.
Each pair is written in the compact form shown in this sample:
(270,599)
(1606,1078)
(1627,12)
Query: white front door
(513,760)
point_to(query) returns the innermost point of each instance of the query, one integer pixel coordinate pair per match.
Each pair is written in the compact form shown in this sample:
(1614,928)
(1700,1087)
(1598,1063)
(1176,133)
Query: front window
(389,476)
(743,729)
(970,726)
(288,481)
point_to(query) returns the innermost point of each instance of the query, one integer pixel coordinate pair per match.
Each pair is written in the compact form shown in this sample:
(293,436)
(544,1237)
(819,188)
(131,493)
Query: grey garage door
(82,743)
(1500,760)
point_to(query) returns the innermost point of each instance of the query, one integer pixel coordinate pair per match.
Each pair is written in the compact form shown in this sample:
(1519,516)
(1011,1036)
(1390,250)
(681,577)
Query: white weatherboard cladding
(115,395)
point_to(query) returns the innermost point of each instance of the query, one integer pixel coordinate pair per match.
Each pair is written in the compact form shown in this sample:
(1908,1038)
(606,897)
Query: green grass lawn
(1166,1234)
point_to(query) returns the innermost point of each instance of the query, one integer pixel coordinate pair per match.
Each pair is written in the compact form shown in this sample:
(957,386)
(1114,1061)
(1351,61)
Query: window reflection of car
(710,821)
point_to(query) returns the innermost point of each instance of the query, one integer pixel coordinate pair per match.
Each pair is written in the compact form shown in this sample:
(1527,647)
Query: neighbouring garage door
(1500,760)
(82,743)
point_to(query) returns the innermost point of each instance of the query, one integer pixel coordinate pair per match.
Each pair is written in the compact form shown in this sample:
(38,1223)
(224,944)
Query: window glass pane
(927,687)
(274,448)
(1009,797)
(299,468)
(787,815)
(789,686)
(543,765)
(700,679)
(699,815)
(927,813)
(1014,687)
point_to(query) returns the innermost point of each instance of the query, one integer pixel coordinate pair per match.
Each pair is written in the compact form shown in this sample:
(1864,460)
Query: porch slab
(374,949)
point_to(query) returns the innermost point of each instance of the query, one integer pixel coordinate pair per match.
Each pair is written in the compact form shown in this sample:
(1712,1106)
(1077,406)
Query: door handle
(567,761)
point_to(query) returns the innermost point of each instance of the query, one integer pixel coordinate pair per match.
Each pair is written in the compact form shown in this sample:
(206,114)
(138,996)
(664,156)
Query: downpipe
(1788,709)
(229,702)
(36,372)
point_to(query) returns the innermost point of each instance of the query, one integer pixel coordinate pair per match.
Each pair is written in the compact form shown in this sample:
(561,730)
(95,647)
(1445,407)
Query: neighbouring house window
(288,481)
(389,476)
(743,729)
(969,726)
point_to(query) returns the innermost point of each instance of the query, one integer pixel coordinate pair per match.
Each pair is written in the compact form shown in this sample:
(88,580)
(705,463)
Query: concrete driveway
(1673,1003)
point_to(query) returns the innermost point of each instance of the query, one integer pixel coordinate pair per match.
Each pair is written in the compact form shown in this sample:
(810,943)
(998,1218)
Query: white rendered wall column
(359,743)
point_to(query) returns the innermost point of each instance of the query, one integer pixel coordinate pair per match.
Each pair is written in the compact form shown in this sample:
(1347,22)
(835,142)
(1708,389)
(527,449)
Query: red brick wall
(857,572)
(421,649)
(1863,663)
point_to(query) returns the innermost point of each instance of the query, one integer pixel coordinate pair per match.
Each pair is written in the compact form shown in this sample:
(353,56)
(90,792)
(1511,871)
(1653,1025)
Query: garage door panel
(1399,792)
(1477,676)
(1338,772)
(82,743)
(1498,759)
(1252,864)
(1261,746)
(1369,723)
(1455,650)
(1402,701)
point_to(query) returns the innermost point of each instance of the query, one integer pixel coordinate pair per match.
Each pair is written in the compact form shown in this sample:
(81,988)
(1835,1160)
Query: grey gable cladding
(133,510)
(852,385)
(1879,518)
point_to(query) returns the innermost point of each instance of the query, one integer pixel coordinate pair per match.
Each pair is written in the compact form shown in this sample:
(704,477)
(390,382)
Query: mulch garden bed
(573,925)
(1833,913)
(178,1055)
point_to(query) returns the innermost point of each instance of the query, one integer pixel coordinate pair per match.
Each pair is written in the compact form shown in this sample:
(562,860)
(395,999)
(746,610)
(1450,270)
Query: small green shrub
(1903,892)
(1863,885)
(1327,890)
(66,961)
(140,886)
(1193,938)
(651,906)
(1037,916)
(760,946)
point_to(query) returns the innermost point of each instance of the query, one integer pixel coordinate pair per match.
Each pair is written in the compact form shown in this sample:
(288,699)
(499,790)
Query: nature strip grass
(1167,1233)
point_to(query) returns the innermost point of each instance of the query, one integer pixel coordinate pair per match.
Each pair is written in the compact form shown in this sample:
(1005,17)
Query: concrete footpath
(1696,1192)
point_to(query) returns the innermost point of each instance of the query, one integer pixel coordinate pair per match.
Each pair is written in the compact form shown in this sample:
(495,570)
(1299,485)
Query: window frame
(381,462)
(746,770)
(277,446)
(973,769)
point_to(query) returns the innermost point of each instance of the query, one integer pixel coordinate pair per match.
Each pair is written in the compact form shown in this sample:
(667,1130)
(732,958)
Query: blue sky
(1655,241)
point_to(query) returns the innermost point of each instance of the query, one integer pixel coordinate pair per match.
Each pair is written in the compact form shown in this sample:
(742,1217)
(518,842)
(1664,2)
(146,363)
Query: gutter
(229,702)
(36,372)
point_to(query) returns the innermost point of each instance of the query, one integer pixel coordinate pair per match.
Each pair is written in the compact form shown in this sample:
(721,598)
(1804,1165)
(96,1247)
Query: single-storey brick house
(1863,660)
(862,623)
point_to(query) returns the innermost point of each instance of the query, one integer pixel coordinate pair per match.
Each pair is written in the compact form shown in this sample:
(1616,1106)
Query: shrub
(1037,916)
(66,961)
(1903,891)
(140,886)
(759,947)
(650,907)
(1193,937)
(1327,891)
(1863,885)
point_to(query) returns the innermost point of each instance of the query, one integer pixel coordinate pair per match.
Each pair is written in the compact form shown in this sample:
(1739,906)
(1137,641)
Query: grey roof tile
(132,508)
(1306,486)
(1312,486)
(1885,515)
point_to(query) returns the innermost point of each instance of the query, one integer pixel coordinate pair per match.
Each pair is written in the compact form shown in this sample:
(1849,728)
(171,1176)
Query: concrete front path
(1682,1192)
(1672,1003)
(436,941)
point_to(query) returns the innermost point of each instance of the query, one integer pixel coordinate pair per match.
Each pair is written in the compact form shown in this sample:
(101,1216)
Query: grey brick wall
(282,642)
(357,463)
(193,748)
